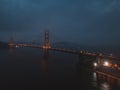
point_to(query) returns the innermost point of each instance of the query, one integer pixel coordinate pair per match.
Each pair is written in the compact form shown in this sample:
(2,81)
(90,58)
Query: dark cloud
(107,23)
(71,19)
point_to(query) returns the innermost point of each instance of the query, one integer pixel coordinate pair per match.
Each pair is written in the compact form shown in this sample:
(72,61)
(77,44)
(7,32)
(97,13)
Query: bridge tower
(47,40)
(11,44)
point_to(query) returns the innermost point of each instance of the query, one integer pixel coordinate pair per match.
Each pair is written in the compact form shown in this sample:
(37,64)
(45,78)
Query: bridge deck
(65,51)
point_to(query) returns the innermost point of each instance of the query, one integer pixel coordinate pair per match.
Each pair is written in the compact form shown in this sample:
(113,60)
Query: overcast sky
(92,22)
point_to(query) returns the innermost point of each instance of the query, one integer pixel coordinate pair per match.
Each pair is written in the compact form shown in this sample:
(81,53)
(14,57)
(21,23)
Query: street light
(95,64)
(106,63)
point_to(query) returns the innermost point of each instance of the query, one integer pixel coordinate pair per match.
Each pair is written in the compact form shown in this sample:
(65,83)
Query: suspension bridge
(47,46)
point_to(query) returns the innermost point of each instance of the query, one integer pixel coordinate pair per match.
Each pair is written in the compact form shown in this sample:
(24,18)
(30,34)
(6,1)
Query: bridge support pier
(100,59)
(11,44)
(81,57)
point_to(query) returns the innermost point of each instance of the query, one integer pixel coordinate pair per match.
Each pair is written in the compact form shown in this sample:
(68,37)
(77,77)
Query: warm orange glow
(106,63)
(46,47)
(115,65)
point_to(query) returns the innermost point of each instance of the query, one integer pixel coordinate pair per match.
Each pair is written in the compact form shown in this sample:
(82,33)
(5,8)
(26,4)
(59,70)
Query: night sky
(91,22)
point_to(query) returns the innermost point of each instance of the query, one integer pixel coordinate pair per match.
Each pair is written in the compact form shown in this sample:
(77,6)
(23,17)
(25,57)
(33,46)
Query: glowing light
(17,46)
(46,47)
(106,63)
(95,64)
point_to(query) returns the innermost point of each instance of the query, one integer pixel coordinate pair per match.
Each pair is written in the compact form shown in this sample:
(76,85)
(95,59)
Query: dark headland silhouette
(3,45)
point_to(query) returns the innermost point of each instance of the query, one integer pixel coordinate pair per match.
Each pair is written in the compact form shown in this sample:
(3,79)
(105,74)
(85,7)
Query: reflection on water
(45,61)
(105,83)
(94,80)
(24,69)
(105,86)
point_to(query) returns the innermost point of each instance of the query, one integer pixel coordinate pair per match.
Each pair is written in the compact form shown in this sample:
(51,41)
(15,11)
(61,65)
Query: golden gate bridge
(47,46)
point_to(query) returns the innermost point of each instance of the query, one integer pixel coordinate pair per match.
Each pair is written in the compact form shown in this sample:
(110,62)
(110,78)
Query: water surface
(35,69)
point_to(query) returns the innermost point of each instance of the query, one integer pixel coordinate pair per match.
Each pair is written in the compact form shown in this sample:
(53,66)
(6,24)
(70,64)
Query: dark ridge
(3,45)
